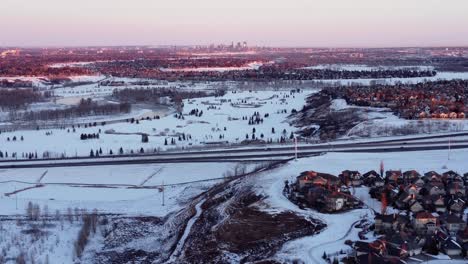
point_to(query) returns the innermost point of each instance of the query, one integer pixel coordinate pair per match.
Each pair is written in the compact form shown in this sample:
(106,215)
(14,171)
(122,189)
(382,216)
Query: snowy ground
(438,76)
(125,189)
(54,245)
(362,67)
(116,190)
(381,122)
(310,249)
(222,117)
(223,112)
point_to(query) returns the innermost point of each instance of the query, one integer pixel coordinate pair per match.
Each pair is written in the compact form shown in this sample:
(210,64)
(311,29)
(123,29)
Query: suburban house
(425,222)
(451,248)
(435,188)
(335,202)
(452,223)
(394,177)
(321,191)
(351,178)
(372,178)
(457,188)
(312,178)
(435,203)
(457,206)
(431,175)
(391,222)
(408,244)
(462,236)
(410,176)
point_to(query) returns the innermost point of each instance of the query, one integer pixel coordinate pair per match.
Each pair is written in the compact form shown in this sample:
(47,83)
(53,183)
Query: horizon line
(216,44)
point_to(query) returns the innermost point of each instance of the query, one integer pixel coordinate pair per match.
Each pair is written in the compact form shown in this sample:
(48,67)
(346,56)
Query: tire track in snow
(151,176)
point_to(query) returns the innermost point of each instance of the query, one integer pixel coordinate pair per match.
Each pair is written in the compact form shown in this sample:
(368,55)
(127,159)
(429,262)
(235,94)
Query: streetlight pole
(448,157)
(163,193)
(16,198)
(295,148)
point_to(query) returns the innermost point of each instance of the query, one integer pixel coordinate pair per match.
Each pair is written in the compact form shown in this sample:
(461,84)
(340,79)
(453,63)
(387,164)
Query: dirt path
(180,245)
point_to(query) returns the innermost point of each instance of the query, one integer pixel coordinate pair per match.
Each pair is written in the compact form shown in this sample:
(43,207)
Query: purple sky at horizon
(312,23)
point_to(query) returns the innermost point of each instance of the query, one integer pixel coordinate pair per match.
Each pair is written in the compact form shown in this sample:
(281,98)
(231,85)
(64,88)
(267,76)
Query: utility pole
(295,148)
(162,187)
(382,169)
(16,198)
(448,157)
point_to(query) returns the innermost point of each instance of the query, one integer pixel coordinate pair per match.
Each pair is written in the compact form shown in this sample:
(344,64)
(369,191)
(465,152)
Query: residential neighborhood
(437,100)
(428,216)
(420,213)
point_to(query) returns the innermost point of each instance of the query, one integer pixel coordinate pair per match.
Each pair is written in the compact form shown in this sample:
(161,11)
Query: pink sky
(337,23)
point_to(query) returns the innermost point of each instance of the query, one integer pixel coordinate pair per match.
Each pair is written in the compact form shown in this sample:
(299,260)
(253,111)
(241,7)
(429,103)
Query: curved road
(311,250)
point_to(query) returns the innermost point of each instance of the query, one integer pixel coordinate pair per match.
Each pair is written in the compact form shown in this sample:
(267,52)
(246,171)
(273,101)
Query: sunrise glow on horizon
(313,23)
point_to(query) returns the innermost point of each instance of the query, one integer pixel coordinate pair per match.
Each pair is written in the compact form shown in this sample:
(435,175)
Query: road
(313,249)
(246,154)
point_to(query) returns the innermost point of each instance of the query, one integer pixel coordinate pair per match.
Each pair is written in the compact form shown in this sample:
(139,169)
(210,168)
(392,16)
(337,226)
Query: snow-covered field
(54,245)
(221,121)
(124,189)
(362,67)
(121,189)
(63,194)
(438,76)
(381,122)
(331,240)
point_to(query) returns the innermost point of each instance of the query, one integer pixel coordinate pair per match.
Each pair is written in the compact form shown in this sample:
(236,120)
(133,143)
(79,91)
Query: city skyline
(360,23)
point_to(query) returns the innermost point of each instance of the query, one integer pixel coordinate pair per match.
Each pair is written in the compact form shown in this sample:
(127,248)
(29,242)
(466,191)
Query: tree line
(84,108)
(155,95)
(12,99)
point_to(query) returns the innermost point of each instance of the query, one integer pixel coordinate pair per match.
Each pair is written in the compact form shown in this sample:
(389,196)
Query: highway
(247,154)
